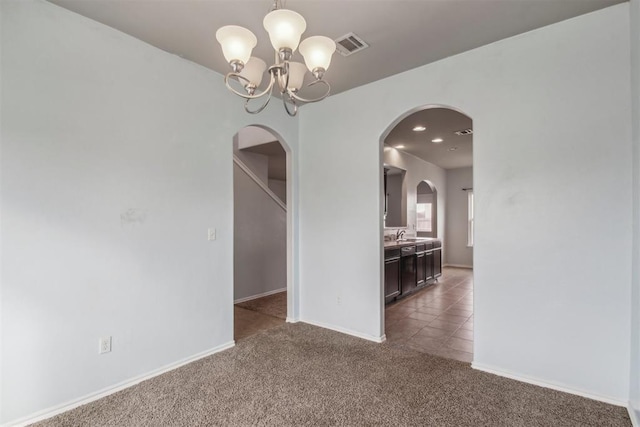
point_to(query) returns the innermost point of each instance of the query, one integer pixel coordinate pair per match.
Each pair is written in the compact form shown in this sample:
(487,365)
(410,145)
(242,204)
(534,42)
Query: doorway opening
(427,229)
(262,231)
(426,210)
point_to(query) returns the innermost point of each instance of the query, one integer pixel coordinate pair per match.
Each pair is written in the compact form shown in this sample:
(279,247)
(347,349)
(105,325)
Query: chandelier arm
(294,96)
(246,95)
(246,104)
(286,106)
(285,68)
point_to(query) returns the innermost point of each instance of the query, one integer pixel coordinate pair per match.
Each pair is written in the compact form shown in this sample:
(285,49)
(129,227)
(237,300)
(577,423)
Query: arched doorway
(426,209)
(429,304)
(262,231)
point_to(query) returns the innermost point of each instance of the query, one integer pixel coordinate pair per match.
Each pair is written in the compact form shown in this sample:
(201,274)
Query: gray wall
(426,195)
(259,244)
(458,253)
(258,163)
(635,292)
(396,210)
(116,159)
(259,223)
(279,187)
(538,140)
(417,170)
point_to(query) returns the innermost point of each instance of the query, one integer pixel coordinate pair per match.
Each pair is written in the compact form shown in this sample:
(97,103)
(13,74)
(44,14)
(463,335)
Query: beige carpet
(273,305)
(300,375)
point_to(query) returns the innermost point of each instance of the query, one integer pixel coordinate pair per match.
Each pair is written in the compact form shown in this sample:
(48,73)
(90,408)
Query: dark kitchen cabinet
(437,263)
(428,265)
(391,274)
(409,270)
(421,267)
(385,195)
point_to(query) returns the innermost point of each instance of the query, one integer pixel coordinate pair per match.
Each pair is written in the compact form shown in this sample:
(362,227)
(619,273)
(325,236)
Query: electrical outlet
(212,234)
(105,345)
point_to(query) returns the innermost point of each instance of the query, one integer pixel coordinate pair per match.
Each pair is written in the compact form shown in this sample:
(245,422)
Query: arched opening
(263,291)
(427,277)
(426,210)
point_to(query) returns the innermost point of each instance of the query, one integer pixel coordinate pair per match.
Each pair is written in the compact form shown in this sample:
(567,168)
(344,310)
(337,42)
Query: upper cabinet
(395,197)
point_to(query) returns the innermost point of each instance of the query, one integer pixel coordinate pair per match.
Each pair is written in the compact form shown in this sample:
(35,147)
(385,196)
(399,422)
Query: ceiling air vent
(350,44)
(464,132)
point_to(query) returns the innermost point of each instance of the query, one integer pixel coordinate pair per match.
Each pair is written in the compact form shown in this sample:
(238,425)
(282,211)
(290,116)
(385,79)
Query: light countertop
(413,241)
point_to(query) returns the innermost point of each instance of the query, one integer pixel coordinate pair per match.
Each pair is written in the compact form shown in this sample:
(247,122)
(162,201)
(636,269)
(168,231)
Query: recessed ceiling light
(453,148)
(399,146)
(437,140)
(419,128)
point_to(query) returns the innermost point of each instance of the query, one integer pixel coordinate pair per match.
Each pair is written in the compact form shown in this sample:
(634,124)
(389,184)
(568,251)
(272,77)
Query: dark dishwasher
(409,270)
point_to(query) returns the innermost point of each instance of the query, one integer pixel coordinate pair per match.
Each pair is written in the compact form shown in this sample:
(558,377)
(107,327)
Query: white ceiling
(403,34)
(440,123)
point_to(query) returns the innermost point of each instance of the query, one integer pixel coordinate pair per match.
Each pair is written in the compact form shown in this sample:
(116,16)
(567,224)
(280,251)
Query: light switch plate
(212,234)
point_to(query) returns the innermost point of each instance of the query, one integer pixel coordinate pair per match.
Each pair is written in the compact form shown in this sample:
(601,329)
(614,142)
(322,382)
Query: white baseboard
(634,414)
(551,385)
(67,406)
(292,320)
(373,338)
(265,294)
(459,266)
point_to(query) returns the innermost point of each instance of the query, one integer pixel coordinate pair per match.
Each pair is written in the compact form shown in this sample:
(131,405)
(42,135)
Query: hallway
(251,317)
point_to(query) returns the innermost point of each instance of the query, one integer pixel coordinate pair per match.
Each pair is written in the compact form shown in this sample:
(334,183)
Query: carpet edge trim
(634,415)
(91,397)
(346,331)
(264,294)
(546,384)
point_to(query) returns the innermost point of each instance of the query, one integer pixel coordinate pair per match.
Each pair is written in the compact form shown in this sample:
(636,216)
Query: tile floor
(436,320)
(248,322)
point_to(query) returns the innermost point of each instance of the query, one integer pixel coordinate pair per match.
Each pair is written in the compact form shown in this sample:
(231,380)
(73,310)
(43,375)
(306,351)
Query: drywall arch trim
(383,137)
(414,110)
(293,306)
(431,185)
(434,210)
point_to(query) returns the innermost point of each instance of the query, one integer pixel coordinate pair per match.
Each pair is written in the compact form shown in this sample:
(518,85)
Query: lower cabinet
(421,261)
(437,263)
(405,271)
(428,265)
(391,274)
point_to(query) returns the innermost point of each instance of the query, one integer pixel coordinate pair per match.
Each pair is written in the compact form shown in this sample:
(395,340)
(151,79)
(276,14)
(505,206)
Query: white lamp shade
(317,51)
(285,28)
(253,71)
(237,43)
(297,71)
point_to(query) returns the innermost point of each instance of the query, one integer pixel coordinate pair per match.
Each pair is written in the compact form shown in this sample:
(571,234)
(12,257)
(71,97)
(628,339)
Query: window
(423,217)
(470,218)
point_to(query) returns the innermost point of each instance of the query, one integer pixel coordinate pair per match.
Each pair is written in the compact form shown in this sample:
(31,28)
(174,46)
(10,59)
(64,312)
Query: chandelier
(285,27)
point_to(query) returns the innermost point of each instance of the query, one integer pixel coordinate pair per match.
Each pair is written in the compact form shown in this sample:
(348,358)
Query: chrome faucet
(399,234)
